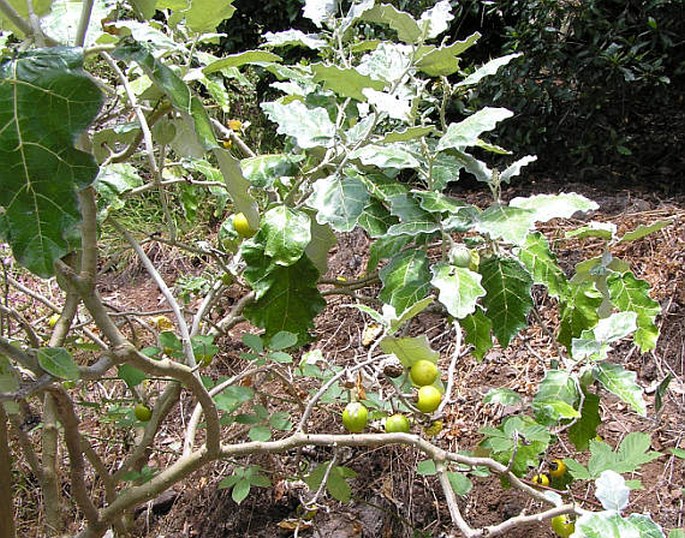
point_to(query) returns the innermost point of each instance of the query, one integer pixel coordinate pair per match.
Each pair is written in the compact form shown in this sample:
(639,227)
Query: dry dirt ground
(389,498)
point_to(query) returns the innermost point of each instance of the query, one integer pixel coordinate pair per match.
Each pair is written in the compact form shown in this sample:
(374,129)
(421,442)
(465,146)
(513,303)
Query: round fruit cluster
(423,374)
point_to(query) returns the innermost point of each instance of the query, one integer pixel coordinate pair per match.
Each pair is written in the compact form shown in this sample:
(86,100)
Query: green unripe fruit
(242,225)
(563,526)
(428,399)
(142,412)
(354,417)
(397,423)
(460,255)
(423,372)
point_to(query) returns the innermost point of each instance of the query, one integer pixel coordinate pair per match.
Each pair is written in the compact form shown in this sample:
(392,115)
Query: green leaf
(594,343)
(579,311)
(172,85)
(263,171)
(386,156)
(537,257)
(319,10)
(323,239)
(286,233)
(410,133)
(513,169)
(232,397)
(576,470)
(502,396)
(634,449)
(293,38)
(259,433)
(338,201)
(385,247)
(396,323)
(508,298)
(444,61)
(556,398)
(622,383)
(467,132)
(585,428)
(409,349)
(310,127)
(546,207)
(338,486)
(404,24)
(406,279)
(644,230)
(64,17)
(509,223)
(237,186)
(460,483)
(389,62)
(240,491)
(112,182)
(610,524)
(459,289)
(201,16)
(660,392)
(146,8)
(344,82)
(131,375)
(242,58)
(490,68)
(632,294)
(46,101)
(521,437)
(426,468)
(478,329)
(58,362)
(282,340)
(600,230)
(291,301)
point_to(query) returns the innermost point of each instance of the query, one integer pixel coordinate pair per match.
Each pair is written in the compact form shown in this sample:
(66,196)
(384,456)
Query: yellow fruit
(142,412)
(557,468)
(355,417)
(423,372)
(227,144)
(235,125)
(541,479)
(52,320)
(397,423)
(563,526)
(242,225)
(428,399)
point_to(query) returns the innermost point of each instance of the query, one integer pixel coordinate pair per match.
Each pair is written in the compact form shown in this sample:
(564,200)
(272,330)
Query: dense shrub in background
(597,82)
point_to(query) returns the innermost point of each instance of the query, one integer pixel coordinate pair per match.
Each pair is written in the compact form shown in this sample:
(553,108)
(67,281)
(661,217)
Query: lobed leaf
(508,298)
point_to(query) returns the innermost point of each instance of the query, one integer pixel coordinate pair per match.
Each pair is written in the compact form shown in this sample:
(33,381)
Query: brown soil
(389,498)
